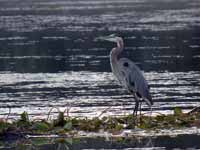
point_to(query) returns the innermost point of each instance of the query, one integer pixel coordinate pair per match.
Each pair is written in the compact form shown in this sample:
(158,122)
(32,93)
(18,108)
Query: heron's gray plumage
(128,74)
(132,79)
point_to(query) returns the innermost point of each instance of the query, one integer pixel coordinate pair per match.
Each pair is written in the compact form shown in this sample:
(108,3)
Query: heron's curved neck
(120,45)
(117,50)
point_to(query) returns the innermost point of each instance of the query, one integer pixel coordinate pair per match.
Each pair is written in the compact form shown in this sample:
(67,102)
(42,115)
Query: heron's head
(113,38)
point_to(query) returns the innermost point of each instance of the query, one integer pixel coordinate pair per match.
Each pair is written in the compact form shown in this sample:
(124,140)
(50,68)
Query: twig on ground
(8,114)
(51,111)
(194,110)
(67,110)
(104,111)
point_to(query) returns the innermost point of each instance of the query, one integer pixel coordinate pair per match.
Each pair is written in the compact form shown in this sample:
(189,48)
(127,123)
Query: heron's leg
(150,114)
(140,107)
(136,108)
(135,112)
(150,110)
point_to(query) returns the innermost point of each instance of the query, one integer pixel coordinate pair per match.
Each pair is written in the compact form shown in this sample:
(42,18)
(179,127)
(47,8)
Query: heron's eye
(131,91)
(126,64)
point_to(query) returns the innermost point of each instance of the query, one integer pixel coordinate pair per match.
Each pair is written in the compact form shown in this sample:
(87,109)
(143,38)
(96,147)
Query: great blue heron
(128,74)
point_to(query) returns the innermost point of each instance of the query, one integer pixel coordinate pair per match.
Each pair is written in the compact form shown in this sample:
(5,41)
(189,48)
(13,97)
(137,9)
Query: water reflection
(115,143)
(89,93)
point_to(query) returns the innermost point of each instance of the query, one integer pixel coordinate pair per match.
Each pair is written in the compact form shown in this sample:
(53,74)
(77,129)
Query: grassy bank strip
(62,125)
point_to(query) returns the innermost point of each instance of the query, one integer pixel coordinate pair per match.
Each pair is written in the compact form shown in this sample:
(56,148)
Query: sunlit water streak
(89,93)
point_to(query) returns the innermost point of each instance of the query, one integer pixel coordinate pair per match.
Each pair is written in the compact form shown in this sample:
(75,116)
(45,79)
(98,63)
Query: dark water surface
(164,142)
(49,56)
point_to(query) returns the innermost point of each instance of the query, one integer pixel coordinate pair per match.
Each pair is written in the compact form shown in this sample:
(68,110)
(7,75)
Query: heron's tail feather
(149,100)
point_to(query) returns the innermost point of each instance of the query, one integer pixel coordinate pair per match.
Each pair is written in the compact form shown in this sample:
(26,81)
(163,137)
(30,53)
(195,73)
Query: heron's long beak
(111,38)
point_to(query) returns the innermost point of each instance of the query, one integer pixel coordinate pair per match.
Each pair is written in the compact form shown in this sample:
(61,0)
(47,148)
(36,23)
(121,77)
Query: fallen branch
(104,111)
(51,111)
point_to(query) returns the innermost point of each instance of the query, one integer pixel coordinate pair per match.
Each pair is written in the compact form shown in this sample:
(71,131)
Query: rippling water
(49,56)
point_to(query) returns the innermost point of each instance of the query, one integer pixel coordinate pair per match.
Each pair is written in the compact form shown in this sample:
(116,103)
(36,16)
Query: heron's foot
(150,116)
(134,121)
(138,120)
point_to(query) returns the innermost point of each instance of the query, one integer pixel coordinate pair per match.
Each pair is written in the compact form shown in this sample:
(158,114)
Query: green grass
(62,124)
